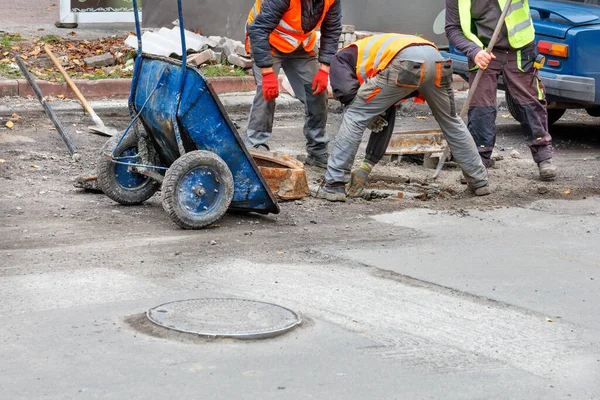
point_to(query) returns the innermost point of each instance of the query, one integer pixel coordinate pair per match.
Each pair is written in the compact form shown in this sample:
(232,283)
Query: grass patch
(222,70)
(9,72)
(50,39)
(7,40)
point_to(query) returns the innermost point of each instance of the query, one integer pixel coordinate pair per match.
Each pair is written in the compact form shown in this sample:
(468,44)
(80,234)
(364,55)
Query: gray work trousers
(300,68)
(419,68)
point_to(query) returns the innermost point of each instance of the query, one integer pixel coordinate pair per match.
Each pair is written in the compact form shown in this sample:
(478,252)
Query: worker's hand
(270,84)
(483,59)
(321,80)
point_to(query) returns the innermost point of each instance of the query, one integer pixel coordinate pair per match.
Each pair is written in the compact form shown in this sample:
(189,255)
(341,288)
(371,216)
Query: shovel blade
(103,130)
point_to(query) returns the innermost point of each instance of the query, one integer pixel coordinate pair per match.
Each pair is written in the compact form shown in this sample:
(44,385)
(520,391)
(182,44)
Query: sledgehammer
(465,108)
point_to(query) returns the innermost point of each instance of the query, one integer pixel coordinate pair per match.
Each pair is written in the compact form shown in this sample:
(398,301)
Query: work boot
(491,163)
(358,179)
(331,192)
(547,170)
(482,191)
(317,161)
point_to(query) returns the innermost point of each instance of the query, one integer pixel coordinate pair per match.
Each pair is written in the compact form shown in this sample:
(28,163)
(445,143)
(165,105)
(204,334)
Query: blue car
(568,35)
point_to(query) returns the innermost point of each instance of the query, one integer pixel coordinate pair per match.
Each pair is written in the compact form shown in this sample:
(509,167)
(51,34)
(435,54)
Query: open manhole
(225,318)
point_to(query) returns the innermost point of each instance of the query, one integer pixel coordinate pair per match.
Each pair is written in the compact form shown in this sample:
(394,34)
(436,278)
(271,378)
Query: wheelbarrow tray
(203,124)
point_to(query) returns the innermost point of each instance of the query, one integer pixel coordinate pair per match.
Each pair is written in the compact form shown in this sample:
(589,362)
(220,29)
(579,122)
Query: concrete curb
(236,104)
(110,88)
(119,88)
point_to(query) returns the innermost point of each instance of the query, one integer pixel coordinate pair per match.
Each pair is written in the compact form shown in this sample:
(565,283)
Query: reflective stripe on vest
(288,35)
(518,23)
(376,52)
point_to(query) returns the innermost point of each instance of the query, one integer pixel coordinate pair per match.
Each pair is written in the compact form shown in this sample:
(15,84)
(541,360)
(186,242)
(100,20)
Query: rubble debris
(102,60)
(200,49)
(239,61)
(205,57)
(284,174)
(515,154)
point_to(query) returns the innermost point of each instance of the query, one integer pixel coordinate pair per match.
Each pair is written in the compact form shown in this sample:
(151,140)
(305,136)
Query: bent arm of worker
(331,29)
(342,75)
(271,13)
(455,34)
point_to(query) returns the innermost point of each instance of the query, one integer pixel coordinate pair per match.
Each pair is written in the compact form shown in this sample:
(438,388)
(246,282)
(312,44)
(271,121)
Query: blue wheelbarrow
(181,141)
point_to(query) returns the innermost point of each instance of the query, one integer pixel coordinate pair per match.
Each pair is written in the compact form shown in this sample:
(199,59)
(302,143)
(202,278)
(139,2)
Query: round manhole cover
(223,317)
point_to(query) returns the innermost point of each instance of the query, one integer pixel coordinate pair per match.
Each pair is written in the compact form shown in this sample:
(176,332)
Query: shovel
(463,112)
(99,128)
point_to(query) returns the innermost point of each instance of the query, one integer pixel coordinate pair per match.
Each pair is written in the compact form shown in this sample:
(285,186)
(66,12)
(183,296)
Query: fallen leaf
(41,29)
(421,117)
(61,96)
(15,48)
(35,53)
(549,320)
(24,57)
(34,166)
(5,61)
(10,124)
(506,116)
(15,117)
(567,191)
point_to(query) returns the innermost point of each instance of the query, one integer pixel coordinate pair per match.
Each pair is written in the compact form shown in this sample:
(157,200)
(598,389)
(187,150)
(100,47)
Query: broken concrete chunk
(240,61)
(240,49)
(207,56)
(103,60)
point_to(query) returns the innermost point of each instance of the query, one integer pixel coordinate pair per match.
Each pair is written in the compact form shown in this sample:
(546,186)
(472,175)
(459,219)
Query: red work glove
(270,86)
(320,82)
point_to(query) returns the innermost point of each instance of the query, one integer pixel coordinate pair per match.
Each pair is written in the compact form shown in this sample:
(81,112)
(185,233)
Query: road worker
(282,34)
(374,74)
(470,25)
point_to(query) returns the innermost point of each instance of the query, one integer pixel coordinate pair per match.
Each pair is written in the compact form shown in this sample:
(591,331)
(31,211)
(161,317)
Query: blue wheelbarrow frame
(181,114)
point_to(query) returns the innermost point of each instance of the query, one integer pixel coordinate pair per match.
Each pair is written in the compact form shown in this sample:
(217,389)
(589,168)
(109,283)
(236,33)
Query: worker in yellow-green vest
(370,76)
(470,25)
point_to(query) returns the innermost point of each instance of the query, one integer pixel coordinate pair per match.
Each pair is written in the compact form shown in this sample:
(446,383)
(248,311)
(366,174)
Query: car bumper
(566,88)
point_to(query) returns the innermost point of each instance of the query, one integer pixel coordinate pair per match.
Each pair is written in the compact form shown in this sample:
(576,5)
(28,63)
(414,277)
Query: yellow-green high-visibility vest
(518,22)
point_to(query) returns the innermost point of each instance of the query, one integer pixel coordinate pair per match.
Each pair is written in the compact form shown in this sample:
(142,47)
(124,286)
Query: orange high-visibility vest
(288,35)
(376,52)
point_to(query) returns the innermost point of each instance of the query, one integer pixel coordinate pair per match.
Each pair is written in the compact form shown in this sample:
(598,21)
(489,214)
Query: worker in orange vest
(282,34)
(371,76)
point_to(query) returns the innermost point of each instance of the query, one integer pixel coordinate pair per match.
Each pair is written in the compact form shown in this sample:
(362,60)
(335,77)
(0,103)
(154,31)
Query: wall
(228,17)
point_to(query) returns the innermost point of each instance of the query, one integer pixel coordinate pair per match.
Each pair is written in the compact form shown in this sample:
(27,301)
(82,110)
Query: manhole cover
(223,317)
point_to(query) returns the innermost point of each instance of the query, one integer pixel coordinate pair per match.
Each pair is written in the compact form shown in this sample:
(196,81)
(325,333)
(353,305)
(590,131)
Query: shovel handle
(71,84)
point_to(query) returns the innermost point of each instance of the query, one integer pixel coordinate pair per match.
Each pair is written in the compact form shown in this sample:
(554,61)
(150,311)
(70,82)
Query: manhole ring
(225,317)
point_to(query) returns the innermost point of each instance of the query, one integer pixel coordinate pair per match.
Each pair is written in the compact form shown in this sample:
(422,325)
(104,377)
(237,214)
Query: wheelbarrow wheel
(116,181)
(197,190)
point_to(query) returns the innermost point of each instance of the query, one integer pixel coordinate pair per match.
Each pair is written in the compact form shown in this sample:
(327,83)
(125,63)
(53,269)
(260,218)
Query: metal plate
(225,317)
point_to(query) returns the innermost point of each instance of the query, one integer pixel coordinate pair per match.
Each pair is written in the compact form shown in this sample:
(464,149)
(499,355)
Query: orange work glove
(270,86)
(320,82)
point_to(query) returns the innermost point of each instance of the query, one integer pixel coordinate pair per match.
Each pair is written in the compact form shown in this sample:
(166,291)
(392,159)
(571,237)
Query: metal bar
(138,60)
(465,108)
(181,79)
(49,111)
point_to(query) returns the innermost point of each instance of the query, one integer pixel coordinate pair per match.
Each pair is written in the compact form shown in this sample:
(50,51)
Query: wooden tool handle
(71,84)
